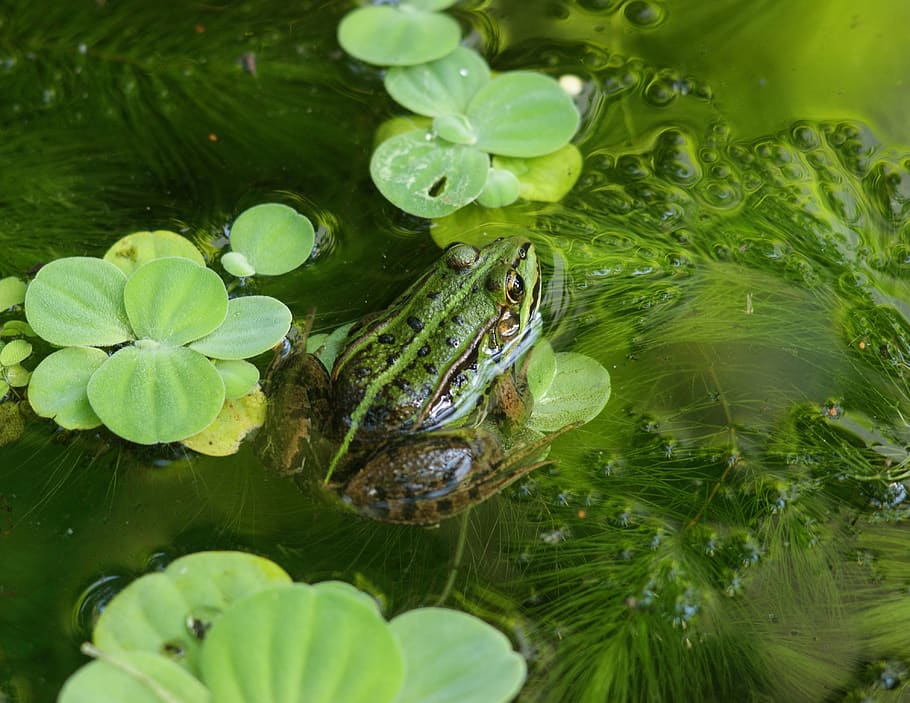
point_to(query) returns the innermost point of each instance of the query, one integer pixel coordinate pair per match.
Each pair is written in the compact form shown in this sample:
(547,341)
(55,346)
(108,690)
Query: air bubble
(645,15)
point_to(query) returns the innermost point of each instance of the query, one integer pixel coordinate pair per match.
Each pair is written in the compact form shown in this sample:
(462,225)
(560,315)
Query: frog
(416,418)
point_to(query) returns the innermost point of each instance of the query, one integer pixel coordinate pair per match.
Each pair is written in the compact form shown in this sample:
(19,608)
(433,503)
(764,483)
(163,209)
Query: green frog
(414,422)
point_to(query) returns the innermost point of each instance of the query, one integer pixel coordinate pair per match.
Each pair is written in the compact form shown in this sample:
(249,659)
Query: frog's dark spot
(362,372)
(444,506)
(173,649)
(402,384)
(377,493)
(459,380)
(199,628)
(408,508)
(392,358)
(431,369)
(434,295)
(415,323)
(423,351)
(475,288)
(448,476)
(458,320)
(385,338)
(474,492)
(452,342)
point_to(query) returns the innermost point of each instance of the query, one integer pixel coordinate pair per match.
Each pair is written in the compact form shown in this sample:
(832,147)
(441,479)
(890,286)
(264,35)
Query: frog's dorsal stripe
(448,296)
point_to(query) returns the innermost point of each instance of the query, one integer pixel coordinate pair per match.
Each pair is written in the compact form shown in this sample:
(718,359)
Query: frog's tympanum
(416,420)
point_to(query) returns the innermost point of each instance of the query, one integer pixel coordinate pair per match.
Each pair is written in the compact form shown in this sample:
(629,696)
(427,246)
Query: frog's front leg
(427,478)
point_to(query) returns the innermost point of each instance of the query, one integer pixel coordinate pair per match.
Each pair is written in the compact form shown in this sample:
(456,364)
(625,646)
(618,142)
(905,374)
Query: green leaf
(545,178)
(15,352)
(58,387)
(501,189)
(253,324)
(237,418)
(166,612)
(299,643)
(401,125)
(174,301)
(130,252)
(330,345)
(149,393)
(17,375)
(522,113)
(78,301)
(541,369)
(455,128)
(453,657)
(236,264)
(4,389)
(397,36)
(239,377)
(273,238)
(12,292)
(428,177)
(137,677)
(442,87)
(580,390)
(13,328)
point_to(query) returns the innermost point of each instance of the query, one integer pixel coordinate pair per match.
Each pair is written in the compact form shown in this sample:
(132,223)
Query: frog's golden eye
(515,287)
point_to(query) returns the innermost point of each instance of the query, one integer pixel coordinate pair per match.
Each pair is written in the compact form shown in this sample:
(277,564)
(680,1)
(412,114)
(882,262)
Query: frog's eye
(515,287)
(461,256)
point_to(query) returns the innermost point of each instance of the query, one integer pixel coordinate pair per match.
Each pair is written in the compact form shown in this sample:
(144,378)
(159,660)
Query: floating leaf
(149,392)
(17,376)
(78,301)
(455,128)
(168,612)
(299,643)
(137,677)
(13,328)
(58,387)
(401,125)
(239,377)
(272,238)
(12,292)
(579,391)
(521,113)
(236,264)
(130,252)
(174,301)
(330,345)
(541,368)
(397,36)
(441,87)
(453,657)
(350,591)
(545,178)
(238,417)
(14,352)
(253,324)
(428,177)
(501,189)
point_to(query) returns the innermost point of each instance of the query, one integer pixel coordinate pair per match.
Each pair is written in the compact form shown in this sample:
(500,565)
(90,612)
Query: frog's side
(412,411)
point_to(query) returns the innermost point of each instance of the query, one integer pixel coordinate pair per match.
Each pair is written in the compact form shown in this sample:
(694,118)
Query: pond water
(731,527)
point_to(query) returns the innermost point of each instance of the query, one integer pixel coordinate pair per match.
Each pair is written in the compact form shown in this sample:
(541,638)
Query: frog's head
(512,280)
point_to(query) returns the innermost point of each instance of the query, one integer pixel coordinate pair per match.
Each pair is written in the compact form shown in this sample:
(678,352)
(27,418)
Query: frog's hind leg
(441,474)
